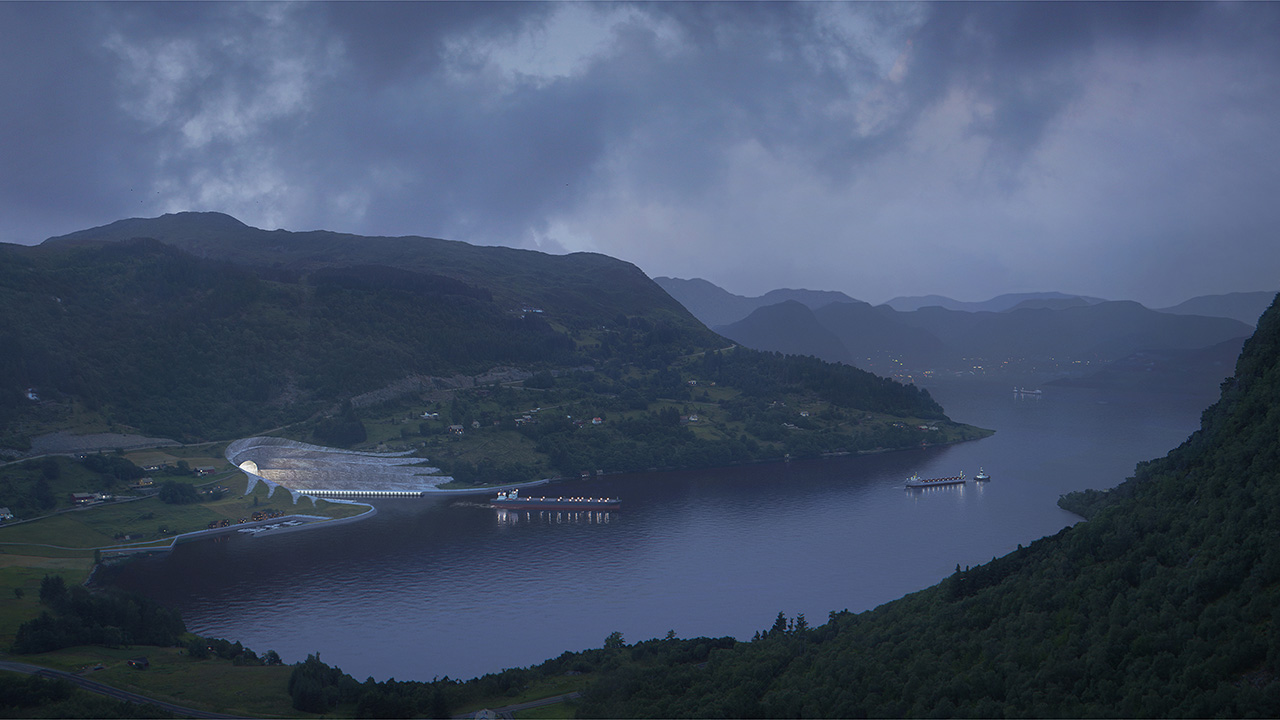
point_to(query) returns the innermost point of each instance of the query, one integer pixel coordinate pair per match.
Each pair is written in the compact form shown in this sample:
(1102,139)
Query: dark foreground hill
(196,327)
(1163,604)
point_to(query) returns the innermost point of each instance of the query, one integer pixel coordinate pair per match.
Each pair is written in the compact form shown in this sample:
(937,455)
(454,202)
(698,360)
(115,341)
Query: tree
(614,641)
(50,469)
(779,625)
(53,589)
(44,497)
(177,493)
(198,648)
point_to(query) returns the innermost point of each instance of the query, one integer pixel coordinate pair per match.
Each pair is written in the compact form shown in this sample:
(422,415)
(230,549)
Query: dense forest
(75,616)
(154,338)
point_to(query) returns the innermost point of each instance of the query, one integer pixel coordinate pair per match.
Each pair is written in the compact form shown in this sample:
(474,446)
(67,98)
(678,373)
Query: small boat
(981,476)
(512,501)
(915,481)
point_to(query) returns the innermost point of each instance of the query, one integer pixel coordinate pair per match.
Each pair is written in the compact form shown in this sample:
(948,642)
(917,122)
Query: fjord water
(429,588)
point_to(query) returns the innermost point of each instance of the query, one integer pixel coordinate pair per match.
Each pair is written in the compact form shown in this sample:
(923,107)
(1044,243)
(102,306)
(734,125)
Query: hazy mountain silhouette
(1243,306)
(716,306)
(788,327)
(934,337)
(1000,303)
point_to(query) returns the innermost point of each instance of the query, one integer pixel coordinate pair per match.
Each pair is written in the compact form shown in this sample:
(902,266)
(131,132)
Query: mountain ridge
(198,327)
(715,306)
(511,274)
(934,337)
(999,303)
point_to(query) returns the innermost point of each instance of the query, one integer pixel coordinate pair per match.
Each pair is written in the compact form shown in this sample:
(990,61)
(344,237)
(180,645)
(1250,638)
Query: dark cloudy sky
(881,149)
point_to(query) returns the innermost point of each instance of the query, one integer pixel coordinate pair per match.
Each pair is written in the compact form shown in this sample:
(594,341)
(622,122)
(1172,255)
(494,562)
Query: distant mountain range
(714,305)
(1243,306)
(1028,329)
(1000,303)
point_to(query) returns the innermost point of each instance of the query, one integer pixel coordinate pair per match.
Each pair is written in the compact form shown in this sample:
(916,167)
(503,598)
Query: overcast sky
(881,149)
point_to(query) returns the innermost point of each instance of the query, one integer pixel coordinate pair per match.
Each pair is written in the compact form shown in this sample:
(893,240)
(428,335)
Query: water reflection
(553,517)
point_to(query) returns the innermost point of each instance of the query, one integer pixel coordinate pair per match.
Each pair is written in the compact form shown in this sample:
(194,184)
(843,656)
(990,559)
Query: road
(97,687)
(509,710)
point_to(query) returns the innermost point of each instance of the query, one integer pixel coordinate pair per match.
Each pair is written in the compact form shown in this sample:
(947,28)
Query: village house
(86,498)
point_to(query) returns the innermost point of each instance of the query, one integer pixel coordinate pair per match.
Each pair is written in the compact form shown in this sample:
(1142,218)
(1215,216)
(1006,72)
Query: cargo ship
(915,481)
(512,501)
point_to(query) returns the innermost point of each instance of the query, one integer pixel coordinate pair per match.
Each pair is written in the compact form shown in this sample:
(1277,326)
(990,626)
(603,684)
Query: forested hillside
(215,330)
(1163,604)
(151,337)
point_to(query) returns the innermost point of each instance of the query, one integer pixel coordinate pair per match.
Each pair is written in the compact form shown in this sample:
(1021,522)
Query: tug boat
(512,501)
(982,476)
(915,481)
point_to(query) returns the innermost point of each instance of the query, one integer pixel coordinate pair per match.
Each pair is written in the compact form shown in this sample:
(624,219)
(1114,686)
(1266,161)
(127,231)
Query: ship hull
(935,483)
(915,481)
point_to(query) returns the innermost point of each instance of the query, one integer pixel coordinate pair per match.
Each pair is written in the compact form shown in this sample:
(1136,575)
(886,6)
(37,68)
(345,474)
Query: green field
(149,520)
(64,543)
(213,685)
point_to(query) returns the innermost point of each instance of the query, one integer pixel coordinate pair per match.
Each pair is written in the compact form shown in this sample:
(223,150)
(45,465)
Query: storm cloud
(1119,150)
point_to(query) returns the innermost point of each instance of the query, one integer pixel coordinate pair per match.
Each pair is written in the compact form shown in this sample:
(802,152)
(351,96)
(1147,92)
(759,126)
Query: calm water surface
(431,588)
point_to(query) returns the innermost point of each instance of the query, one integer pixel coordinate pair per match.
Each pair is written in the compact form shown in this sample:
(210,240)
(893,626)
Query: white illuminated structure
(317,471)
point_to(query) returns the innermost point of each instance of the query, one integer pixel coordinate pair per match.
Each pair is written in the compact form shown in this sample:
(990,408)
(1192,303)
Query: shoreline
(114,554)
(309,521)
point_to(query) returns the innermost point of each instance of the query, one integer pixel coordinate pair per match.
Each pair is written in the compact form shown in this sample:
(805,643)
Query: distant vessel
(915,481)
(981,476)
(512,501)
(1023,392)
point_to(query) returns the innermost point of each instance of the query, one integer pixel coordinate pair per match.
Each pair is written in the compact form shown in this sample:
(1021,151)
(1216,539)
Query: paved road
(107,690)
(509,710)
